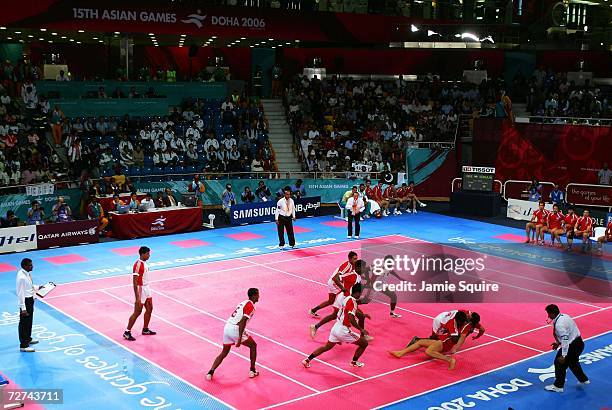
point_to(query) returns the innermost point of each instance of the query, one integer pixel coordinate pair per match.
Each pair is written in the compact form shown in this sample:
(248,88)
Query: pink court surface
(191,306)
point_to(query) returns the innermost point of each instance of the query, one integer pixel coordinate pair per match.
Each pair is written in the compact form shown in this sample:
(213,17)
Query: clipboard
(45,289)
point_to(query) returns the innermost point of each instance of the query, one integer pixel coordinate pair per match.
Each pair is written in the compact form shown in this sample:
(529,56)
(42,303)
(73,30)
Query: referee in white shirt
(567,337)
(354,206)
(25,297)
(285,215)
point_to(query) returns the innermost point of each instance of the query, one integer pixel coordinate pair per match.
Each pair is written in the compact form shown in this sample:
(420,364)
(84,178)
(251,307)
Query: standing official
(567,337)
(354,206)
(285,215)
(25,297)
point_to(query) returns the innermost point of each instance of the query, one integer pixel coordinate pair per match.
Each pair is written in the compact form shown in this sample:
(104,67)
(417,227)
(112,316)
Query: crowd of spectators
(25,155)
(551,94)
(342,123)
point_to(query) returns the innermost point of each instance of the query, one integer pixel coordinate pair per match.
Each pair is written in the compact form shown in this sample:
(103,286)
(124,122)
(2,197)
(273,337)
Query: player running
(554,225)
(607,237)
(453,331)
(334,284)
(342,332)
(538,221)
(142,293)
(234,333)
(347,282)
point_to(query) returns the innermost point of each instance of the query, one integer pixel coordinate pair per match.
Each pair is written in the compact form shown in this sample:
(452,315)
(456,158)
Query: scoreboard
(477,178)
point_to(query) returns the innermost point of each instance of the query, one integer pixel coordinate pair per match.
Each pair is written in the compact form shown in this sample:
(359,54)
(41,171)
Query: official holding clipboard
(26,291)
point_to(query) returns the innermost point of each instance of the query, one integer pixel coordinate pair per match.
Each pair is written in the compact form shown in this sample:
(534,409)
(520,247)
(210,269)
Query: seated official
(147,203)
(95,211)
(134,202)
(117,202)
(169,198)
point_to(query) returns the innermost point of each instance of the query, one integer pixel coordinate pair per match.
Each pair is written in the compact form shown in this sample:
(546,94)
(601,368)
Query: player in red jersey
(554,225)
(584,229)
(390,196)
(607,237)
(413,198)
(455,330)
(334,284)
(142,294)
(342,332)
(376,195)
(538,221)
(569,221)
(401,195)
(348,281)
(234,333)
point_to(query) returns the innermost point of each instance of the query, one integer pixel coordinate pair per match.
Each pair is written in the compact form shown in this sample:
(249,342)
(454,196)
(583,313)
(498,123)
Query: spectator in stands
(298,190)
(10,221)
(170,157)
(96,189)
(169,198)
(57,117)
(95,211)
(133,93)
(138,156)
(535,191)
(233,159)
(192,155)
(102,93)
(556,196)
(257,164)
(126,152)
(227,200)
(247,196)
(160,143)
(5,178)
(106,160)
(263,192)
(158,158)
(36,214)
(102,126)
(61,211)
(604,176)
(29,95)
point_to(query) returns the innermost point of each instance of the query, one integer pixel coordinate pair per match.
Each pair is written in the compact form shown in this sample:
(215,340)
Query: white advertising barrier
(19,239)
(523,210)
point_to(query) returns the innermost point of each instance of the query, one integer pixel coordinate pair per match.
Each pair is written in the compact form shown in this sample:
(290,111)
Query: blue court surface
(97,372)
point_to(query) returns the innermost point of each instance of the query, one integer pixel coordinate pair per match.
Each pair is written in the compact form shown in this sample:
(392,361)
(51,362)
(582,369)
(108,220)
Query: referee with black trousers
(570,345)
(285,215)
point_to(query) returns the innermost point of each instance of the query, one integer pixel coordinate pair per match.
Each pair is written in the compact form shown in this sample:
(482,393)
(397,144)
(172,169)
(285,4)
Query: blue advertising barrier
(258,212)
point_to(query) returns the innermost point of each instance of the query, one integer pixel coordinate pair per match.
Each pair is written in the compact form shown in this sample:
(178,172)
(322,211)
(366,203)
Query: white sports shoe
(423,205)
(356,237)
(355,363)
(398,212)
(348,236)
(253,373)
(409,211)
(209,376)
(306,363)
(552,387)
(414,212)
(584,383)
(395,315)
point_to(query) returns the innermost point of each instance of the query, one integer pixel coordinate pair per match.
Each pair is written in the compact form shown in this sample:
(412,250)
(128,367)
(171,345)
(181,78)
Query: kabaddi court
(199,278)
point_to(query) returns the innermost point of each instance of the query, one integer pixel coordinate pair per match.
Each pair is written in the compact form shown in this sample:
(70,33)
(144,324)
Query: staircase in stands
(280,136)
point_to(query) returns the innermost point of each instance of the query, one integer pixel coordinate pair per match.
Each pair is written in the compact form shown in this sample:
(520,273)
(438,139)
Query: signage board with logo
(265,211)
(589,195)
(18,239)
(67,233)
(523,210)
(163,222)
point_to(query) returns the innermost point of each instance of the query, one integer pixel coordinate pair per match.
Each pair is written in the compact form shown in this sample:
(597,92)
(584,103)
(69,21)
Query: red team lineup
(199,309)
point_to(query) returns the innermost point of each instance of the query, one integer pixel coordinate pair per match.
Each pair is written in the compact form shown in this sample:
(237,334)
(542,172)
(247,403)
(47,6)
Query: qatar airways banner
(558,153)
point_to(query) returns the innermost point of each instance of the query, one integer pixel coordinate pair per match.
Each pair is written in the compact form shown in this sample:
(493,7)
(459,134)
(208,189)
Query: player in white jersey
(334,284)
(234,333)
(142,293)
(342,332)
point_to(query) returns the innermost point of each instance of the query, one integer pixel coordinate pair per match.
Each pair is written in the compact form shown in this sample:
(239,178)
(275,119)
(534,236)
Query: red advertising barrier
(518,189)
(589,195)
(66,233)
(549,152)
(159,222)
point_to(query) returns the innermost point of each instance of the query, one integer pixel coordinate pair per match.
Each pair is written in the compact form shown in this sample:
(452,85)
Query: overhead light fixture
(64,37)
(81,31)
(270,39)
(21,41)
(586,28)
(43,29)
(2,28)
(414,28)
(54,34)
(288,44)
(100,41)
(242,38)
(252,46)
(50,41)
(432,33)
(9,38)
(297,41)
(213,36)
(18,32)
(469,36)
(151,34)
(487,38)
(273,47)
(95,38)
(183,35)
(72,39)
(116,32)
(41,39)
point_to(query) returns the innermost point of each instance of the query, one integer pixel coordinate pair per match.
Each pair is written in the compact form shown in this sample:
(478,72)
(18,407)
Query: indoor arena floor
(199,278)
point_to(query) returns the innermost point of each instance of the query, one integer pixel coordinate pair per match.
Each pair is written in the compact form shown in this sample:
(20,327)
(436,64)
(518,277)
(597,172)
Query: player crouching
(234,333)
(342,332)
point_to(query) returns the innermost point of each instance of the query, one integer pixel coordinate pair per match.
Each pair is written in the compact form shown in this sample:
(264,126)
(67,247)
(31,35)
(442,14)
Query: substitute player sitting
(376,194)
(334,284)
(234,333)
(584,230)
(455,328)
(344,330)
(389,195)
(538,221)
(413,198)
(569,221)
(607,237)
(554,225)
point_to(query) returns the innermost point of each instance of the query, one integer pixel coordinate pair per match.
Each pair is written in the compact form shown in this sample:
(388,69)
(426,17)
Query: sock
(128,331)
(354,359)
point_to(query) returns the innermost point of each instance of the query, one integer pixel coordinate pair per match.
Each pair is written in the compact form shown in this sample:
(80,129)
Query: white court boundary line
(124,347)
(255,333)
(477,375)
(234,352)
(204,273)
(422,363)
